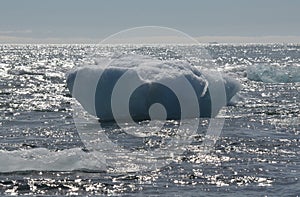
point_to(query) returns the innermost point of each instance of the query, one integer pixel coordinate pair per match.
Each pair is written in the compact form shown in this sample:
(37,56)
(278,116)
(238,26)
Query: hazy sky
(96,19)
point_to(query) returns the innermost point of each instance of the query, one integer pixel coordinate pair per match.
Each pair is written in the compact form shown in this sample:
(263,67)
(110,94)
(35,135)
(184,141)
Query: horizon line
(201,39)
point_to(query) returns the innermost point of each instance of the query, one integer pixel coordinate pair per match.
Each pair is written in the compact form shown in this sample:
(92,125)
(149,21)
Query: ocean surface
(257,153)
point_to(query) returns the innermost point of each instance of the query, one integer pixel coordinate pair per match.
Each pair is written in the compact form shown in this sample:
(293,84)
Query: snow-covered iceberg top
(137,86)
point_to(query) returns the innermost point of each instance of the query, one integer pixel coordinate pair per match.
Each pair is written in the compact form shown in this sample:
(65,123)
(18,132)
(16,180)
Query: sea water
(257,153)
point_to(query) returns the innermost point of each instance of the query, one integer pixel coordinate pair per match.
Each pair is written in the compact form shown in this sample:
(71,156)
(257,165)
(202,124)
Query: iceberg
(135,86)
(273,73)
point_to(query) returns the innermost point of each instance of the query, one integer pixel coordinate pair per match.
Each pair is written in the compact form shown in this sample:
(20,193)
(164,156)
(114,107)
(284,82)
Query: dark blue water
(41,152)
